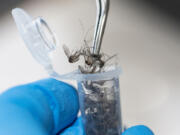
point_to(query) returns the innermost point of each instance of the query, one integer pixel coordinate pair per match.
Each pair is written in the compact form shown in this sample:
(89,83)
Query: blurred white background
(147,42)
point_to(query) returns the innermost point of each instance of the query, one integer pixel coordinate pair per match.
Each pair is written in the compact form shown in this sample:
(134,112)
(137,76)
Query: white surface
(148,47)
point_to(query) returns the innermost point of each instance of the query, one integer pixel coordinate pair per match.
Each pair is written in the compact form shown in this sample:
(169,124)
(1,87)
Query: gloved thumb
(42,107)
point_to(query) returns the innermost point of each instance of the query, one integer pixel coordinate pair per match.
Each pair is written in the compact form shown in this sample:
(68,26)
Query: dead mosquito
(93,63)
(72,56)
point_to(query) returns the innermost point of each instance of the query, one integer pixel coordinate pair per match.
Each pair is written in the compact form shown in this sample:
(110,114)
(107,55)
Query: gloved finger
(52,103)
(75,129)
(65,106)
(138,130)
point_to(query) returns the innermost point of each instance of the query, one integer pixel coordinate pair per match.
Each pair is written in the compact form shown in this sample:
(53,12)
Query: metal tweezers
(102,14)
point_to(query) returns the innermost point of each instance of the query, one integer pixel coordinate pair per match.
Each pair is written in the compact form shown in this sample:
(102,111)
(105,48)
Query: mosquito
(93,63)
(72,57)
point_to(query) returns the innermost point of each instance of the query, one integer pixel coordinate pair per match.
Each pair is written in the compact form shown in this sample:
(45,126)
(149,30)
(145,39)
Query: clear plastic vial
(100,103)
(98,93)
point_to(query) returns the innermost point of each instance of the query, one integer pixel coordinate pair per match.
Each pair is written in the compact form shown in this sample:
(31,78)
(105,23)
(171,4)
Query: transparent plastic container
(98,93)
(99,99)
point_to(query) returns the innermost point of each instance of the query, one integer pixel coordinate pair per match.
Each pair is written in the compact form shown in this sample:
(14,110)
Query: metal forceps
(102,14)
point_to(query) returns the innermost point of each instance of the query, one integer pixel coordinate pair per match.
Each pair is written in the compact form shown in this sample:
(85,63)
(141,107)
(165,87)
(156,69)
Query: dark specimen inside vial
(100,106)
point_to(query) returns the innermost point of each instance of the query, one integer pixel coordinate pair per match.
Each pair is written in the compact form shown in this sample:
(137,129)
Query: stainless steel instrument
(102,15)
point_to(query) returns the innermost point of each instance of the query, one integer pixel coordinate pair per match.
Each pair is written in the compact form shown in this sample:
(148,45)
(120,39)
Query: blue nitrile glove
(41,108)
(45,107)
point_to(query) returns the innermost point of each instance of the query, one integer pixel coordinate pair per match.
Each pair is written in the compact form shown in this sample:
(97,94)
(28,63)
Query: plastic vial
(100,103)
(98,93)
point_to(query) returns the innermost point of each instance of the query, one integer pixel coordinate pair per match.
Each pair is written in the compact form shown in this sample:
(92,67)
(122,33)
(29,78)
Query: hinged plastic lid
(36,35)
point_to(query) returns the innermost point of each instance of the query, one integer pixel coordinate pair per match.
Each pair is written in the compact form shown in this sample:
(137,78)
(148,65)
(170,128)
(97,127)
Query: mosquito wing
(86,48)
(66,51)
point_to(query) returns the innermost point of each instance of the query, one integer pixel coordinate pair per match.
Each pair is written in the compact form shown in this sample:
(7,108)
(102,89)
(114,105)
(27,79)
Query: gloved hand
(45,107)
